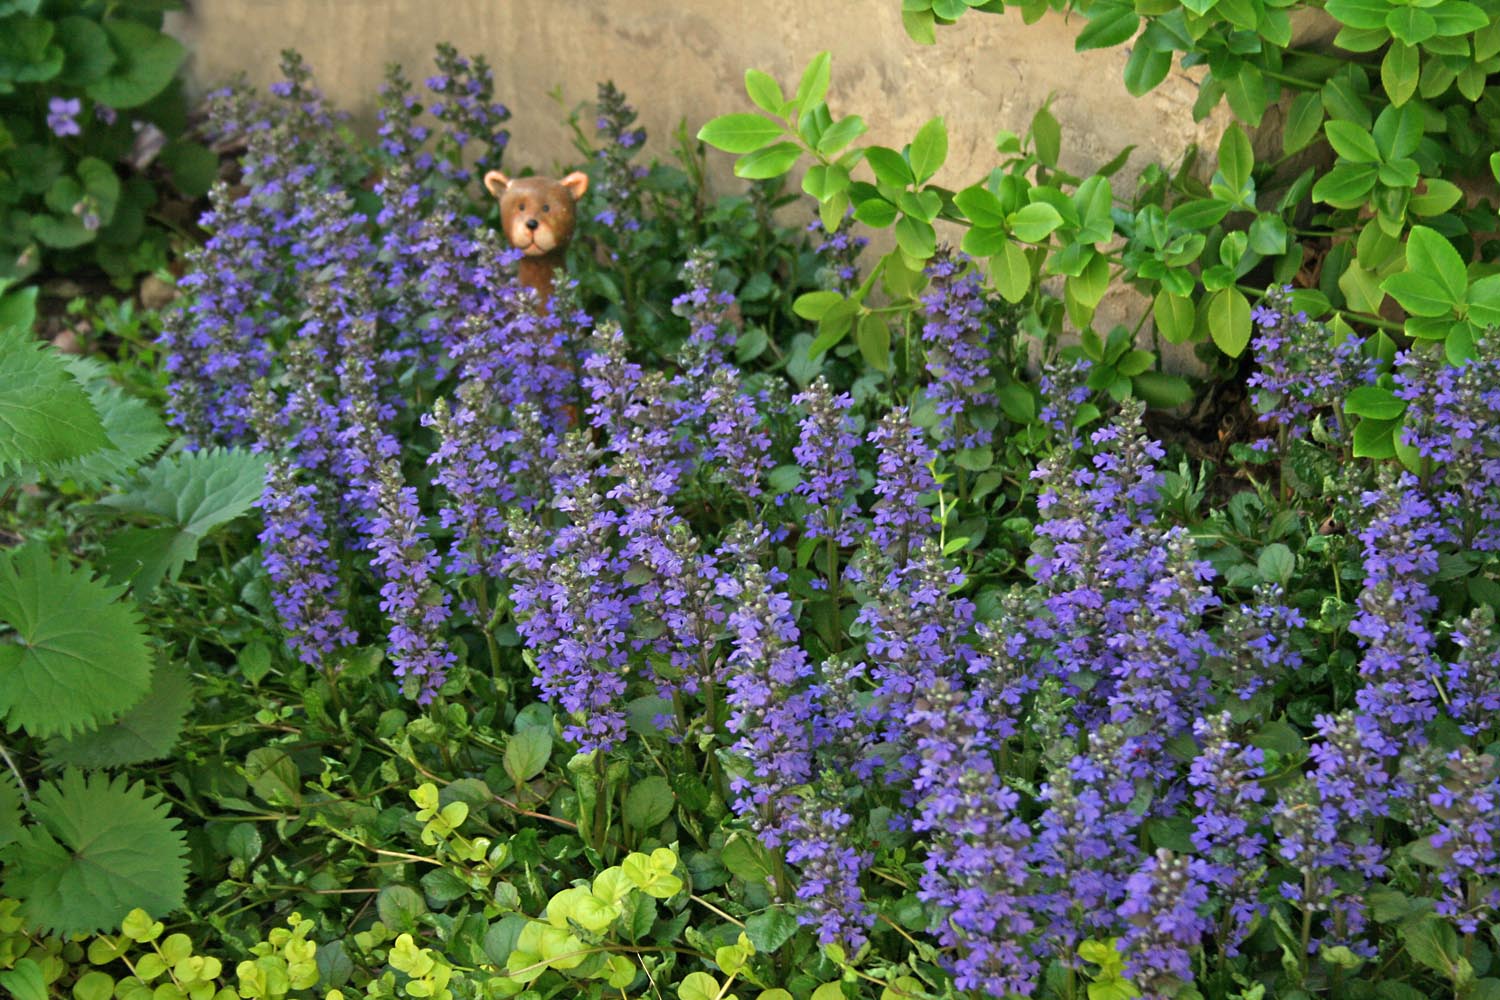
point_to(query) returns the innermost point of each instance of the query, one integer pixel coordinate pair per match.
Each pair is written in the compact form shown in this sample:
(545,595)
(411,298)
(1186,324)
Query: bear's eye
(521,207)
(546,208)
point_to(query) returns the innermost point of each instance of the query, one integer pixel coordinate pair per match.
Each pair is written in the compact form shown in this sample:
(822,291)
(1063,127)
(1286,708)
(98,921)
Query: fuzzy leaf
(148,731)
(45,415)
(10,808)
(196,491)
(97,849)
(81,658)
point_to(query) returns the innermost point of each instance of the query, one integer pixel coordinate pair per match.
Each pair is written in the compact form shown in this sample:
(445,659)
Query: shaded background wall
(679,59)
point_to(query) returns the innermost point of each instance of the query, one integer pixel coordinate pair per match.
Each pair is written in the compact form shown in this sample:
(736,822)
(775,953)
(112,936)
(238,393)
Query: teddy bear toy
(537,217)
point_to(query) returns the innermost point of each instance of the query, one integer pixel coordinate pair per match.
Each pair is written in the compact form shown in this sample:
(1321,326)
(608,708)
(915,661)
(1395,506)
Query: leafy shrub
(79,675)
(87,91)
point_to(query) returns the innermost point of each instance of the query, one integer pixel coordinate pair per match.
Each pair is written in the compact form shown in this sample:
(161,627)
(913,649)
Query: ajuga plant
(724,654)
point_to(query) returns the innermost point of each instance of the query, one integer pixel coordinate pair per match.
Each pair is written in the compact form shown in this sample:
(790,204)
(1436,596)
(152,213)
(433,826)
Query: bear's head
(536,213)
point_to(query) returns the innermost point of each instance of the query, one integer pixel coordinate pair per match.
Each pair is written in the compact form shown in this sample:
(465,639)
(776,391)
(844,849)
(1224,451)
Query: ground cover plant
(719,628)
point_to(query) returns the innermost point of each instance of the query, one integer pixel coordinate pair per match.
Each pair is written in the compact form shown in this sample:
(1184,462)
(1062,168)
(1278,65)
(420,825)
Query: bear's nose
(532,223)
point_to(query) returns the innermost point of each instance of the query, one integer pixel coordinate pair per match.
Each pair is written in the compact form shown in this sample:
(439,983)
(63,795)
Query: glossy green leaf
(763,89)
(929,149)
(740,133)
(1399,72)
(1035,222)
(1229,321)
(772,161)
(1010,271)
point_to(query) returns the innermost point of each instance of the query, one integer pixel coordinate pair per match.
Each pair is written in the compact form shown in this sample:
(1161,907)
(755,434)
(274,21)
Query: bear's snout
(532,224)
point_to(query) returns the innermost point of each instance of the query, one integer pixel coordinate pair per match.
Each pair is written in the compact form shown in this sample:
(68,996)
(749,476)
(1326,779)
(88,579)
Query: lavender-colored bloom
(903,475)
(1230,823)
(1472,679)
(1256,642)
(839,253)
(825,450)
(1452,419)
(1399,664)
(62,116)
(956,342)
(616,192)
(1456,796)
(737,444)
(105,114)
(1162,903)
(711,335)
(1301,369)
(571,603)
(818,838)
(468,112)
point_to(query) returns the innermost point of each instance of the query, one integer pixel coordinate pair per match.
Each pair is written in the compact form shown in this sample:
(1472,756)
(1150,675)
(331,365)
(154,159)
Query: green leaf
(915,237)
(814,85)
(88,55)
(1035,222)
(1375,402)
(1161,390)
(196,491)
(920,25)
(145,62)
(1197,214)
(1246,94)
(889,166)
(1435,198)
(929,149)
(193,166)
(1046,133)
(1268,235)
(980,206)
(1229,321)
(1303,120)
(840,134)
(1428,253)
(1373,438)
(763,89)
(1236,158)
(146,732)
(82,657)
(1433,943)
(24,981)
(876,212)
(770,929)
(27,51)
(648,803)
(1276,564)
(698,986)
(10,808)
(1363,14)
(1011,273)
(1411,25)
(1399,72)
(97,849)
(1346,185)
(1146,69)
(1351,142)
(772,161)
(1417,294)
(527,753)
(18,310)
(1110,23)
(740,133)
(874,339)
(815,305)
(132,426)
(1175,316)
(45,415)
(1484,301)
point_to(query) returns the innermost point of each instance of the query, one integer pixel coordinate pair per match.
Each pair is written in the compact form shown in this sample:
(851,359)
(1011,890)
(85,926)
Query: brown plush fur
(537,217)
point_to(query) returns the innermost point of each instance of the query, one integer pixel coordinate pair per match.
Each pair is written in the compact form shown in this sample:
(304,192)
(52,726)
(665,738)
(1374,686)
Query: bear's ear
(496,182)
(577,183)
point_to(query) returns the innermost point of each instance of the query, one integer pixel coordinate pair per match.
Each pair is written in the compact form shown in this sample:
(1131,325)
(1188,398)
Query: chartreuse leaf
(148,731)
(1229,321)
(45,415)
(740,133)
(96,849)
(764,91)
(929,149)
(79,657)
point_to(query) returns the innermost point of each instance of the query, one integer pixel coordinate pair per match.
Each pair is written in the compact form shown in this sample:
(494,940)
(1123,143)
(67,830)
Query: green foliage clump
(88,90)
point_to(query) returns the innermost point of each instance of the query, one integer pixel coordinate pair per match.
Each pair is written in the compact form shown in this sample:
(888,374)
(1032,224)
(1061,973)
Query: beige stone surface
(684,60)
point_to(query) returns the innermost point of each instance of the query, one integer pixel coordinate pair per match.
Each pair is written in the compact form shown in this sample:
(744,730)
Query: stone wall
(685,59)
